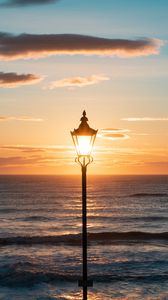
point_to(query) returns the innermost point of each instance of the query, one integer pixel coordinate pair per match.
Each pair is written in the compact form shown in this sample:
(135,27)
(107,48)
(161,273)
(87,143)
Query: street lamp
(83,138)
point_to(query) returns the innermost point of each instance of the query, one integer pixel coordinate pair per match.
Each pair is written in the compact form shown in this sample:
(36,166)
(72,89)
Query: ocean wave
(149,195)
(19,277)
(38,218)
(25,210)
(147,218)
(76,239)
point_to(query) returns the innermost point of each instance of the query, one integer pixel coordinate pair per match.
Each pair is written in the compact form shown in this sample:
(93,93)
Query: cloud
(13,80)
(13,3)
(26,46)
(45,158)
(34,155)
(17,160)
(77,81)
(37,148)
(20,118)
(32,161)
(113,130)
(144,119)
(113,134)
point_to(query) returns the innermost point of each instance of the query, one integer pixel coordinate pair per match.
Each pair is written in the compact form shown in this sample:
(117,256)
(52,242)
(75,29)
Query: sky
(59,57)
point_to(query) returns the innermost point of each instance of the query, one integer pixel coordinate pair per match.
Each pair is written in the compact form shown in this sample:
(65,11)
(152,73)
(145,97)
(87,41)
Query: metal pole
(84,231)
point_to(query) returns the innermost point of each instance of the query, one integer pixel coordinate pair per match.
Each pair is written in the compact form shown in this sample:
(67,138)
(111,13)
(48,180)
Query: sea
(40,237)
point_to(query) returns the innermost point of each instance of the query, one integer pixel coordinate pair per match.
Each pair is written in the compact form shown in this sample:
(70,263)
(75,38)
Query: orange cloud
(78,81)
(40,148)
(31,156)
(35,45)
(20,118)
(12,80)
(47,159)
(113,130)
(113,133)
(17,160)
(144,119)
(30,161)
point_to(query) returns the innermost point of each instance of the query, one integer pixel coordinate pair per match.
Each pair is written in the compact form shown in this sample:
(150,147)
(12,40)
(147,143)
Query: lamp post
(83,138)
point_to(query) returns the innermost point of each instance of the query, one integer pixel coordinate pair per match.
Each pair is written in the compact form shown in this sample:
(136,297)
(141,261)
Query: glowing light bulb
(84,145)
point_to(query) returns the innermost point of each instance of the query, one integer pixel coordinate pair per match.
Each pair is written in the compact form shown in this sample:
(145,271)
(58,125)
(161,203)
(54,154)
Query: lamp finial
(84,119)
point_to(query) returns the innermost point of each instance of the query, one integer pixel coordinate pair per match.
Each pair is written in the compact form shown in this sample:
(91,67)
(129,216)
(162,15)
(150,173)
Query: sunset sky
(58,58)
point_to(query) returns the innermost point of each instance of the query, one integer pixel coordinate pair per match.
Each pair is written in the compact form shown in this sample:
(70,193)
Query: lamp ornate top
(84,128)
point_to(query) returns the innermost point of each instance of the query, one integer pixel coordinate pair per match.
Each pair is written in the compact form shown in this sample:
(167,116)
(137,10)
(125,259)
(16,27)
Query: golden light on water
(95,295)
(78,296)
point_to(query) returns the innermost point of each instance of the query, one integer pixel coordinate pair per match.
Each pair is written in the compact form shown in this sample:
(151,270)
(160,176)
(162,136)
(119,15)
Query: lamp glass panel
(84,145)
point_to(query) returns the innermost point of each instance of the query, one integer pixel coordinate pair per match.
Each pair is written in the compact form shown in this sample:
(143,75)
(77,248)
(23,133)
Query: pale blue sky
(106,18)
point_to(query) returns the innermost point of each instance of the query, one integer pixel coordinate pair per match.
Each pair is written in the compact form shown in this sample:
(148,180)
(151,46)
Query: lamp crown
(84,129)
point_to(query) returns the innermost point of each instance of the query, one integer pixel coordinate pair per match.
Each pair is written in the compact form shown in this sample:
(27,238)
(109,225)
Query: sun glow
(84,145)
